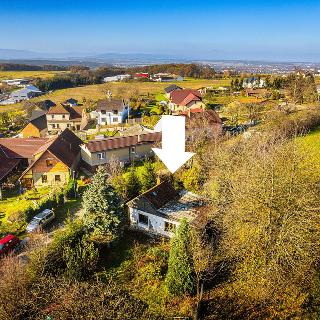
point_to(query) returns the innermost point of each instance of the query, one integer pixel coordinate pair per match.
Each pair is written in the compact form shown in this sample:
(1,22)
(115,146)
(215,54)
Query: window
(115,111)
(169,227)
(115,119)
(133,149)
(57,177)
(58,125)
(53,126)
(52,117)
(68,125)
(49,162)
(63,116)
(44,178)
(143,219)
(103,112)
(101,155)
(103,120)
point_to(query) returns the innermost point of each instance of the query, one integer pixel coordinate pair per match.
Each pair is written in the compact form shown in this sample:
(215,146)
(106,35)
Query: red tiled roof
(184,97)
(122,142)
(21,148)
(59,109)
(75,112)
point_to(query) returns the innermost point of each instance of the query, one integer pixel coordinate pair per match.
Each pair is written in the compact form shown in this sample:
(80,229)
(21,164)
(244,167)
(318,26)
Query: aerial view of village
(159,160)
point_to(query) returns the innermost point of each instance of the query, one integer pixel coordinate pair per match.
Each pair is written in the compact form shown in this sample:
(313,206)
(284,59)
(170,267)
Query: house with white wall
(110,111)
(160,209)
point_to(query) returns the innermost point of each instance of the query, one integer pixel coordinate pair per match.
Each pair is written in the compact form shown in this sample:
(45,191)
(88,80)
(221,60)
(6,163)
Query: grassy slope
(120,89)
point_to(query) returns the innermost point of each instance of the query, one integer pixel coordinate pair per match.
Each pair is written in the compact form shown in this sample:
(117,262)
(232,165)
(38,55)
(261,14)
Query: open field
(119,89)
(29,74)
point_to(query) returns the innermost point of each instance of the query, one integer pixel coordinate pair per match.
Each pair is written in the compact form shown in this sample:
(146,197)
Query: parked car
(40,220)
(8,244)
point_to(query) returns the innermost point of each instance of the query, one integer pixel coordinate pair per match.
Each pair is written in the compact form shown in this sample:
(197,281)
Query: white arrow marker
(173,153)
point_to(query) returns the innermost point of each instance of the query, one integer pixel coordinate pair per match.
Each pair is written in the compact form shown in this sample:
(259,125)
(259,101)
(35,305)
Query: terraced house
(55,162)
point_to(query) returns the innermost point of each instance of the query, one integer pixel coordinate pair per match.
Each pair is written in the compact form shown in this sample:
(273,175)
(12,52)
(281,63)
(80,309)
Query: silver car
(40,220)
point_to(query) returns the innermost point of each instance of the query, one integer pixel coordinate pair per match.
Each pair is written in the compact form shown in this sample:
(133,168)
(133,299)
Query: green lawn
(13,202)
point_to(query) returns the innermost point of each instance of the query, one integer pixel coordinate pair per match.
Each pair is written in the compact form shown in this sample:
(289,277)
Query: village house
(37,126)
(26,93)
(16,82)
(183,100)
(55,162)
(257,93)
(16,154)
(125,149)
(253,82)
(170,89)
(141,75)
(120,77)
(160,209)
(61,117)
(111,111)
(70,102)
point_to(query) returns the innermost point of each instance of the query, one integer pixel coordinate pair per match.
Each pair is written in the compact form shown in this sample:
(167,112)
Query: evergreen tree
(148,176)
(133,186)
(103,212)
(180,276)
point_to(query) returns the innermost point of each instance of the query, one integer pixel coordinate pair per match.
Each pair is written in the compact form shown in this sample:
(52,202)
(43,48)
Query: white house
(160,209)
(253,83)
(26,93)
(111,111)
(16,82)
(119,77)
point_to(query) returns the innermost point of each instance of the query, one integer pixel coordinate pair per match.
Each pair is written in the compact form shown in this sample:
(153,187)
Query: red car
(8,243)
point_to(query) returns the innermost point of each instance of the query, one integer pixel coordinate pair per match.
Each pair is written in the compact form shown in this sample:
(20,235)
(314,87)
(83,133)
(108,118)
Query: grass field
(118,89)
(29,74)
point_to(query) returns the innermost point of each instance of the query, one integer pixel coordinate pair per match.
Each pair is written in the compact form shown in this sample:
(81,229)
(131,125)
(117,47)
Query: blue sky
(260,30)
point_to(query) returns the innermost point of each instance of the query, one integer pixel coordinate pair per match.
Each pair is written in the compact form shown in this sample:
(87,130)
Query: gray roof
(171,88)
(40,122)
(164,201)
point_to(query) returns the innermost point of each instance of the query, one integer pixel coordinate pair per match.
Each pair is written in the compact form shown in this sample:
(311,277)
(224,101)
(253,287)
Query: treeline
(185,70)
(25,67)
(82,78)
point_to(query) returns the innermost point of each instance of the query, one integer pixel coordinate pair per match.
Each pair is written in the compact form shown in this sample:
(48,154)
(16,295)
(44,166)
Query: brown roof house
(55,162)
(16,154)
(63,117)
(125,149)
(160,209)
(183,100)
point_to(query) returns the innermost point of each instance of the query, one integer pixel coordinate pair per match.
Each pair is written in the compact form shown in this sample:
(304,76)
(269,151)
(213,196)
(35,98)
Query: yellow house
(55,162)
(36,128)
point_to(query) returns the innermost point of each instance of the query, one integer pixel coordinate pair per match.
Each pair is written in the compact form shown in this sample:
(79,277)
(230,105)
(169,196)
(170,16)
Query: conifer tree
(180,276)
(103,212)
(148,176)
(133,186)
